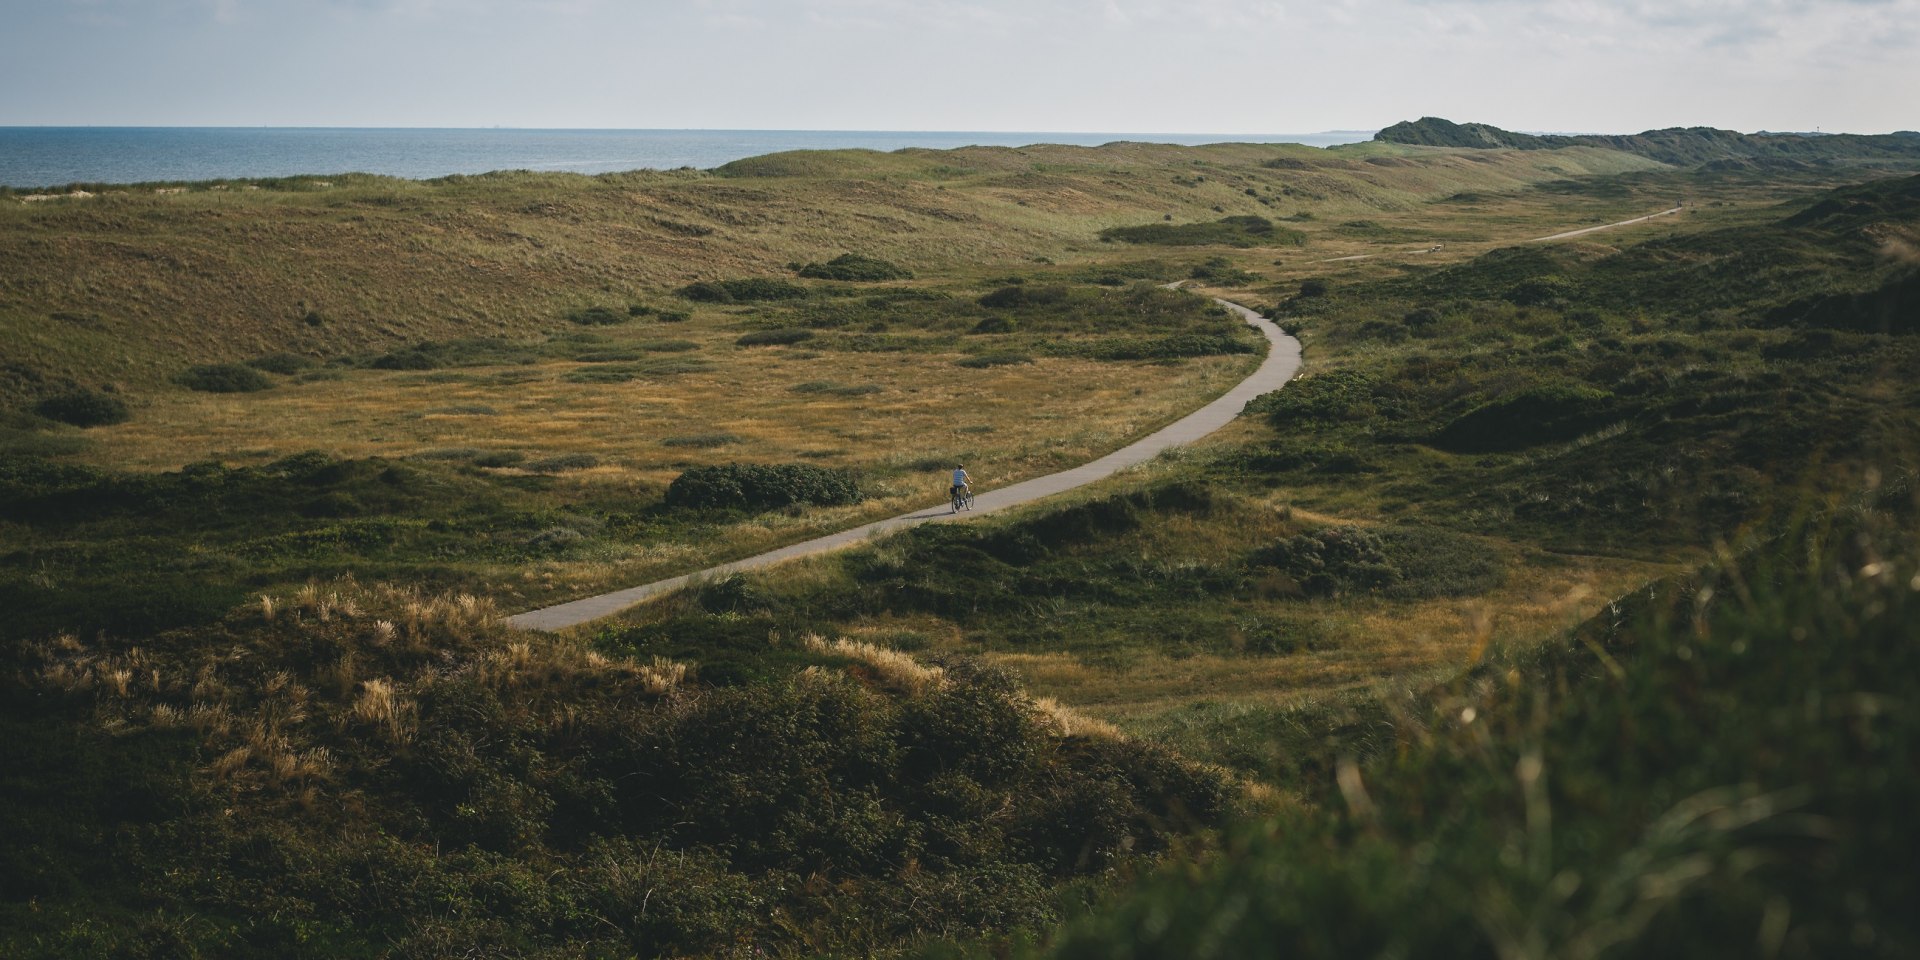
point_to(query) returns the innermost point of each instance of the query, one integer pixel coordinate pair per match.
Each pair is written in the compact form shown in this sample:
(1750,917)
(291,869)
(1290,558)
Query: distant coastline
(32,157)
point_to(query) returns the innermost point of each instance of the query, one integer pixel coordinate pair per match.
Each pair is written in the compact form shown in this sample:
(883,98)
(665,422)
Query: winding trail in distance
(1282,362)
(1557,236)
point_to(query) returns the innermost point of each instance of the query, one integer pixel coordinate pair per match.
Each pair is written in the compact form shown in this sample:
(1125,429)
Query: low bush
(1332,397)
(837,389)
(224,378)
(599,316)
(985,361)
(564,462)
(749,290)
(81,407)
(1550,413)
(773,338)
(1398,562)
(1235,231)
(752,486)
(854,267)
(704,441)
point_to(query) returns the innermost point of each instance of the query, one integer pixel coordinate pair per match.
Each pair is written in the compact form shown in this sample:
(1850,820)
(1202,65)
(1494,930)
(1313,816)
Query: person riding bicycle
(960,483)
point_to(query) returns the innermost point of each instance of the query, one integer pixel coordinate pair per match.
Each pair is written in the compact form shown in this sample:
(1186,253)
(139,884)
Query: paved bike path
(1282,362)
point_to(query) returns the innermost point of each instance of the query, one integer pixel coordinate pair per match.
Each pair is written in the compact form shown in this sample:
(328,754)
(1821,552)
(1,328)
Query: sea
(32,157)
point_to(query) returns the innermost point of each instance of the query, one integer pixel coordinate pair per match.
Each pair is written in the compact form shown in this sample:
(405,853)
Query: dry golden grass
(891,668)
(1367,644)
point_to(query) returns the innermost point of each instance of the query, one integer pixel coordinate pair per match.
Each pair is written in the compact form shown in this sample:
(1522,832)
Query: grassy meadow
(276,457)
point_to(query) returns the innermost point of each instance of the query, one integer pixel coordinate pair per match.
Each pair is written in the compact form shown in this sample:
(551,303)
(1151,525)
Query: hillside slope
(130,286)
(1680,146)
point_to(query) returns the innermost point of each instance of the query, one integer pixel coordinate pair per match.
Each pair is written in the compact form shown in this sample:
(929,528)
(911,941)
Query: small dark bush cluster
(1235,231)
(985,361)
(224,378)
(1221,270)
(854,267)
(773,338)
(1175,347)
(564,462)
(1332,560)
(599,316)
(1331,397)
(704,441)
(748,290)
(1402,562)
(81,407)
(752,486)
(1550,413)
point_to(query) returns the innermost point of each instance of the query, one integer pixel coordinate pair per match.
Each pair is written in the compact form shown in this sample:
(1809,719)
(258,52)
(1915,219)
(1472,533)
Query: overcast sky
(1209,66)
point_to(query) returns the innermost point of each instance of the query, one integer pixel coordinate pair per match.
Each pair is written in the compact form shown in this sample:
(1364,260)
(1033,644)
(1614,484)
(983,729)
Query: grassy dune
(133,283)
(253,636)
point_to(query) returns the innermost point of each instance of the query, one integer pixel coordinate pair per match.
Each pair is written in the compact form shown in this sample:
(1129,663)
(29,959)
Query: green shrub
(1221,270)
(993,360)
(1235,231)
(598,316)
(996,324)
(81,407)
(854,267)
(565,461)
(837,389)
(749,290)
(750,486)
(1332,397)
(705,441)
(499,458)
(765,338)
(667,346)
(223,378)
(1543,414)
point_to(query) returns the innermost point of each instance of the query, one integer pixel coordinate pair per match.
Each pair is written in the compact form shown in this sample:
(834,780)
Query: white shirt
(959,477)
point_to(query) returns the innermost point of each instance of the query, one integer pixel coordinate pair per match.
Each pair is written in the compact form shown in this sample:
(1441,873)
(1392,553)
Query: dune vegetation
(1562,606)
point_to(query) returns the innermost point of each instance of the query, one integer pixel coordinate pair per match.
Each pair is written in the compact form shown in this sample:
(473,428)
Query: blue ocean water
(56,156)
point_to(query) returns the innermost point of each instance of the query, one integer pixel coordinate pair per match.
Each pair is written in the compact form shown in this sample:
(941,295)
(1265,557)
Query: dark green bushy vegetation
(86,549)
(1235,231)
(81,407)
(1660,395)
(854,267)
(372,772)
(224,378)
(1076,579)
(773,338)
(1722,767)
(748,290)
(1403,562)
(754,486)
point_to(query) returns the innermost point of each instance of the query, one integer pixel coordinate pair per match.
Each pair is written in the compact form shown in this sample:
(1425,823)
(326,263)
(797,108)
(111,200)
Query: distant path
(1604,226)
(1283,360)
(1557,236)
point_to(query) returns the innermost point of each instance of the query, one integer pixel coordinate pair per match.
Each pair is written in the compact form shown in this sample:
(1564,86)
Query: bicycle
(962,499)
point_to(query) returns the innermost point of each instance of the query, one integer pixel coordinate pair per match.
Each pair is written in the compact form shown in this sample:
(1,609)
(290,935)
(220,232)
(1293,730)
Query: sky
(1169,66)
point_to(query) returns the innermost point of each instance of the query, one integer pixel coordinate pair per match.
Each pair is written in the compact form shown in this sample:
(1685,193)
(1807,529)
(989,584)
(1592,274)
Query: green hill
(1680,146)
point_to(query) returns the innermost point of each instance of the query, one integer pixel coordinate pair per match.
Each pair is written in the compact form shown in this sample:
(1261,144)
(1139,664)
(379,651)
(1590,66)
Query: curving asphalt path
(1283,361)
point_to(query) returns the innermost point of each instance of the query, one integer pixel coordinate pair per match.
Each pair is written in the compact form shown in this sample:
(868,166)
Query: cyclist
(960,484)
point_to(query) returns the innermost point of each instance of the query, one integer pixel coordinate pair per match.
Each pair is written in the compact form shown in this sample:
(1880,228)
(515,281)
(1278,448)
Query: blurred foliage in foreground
(1719,766)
